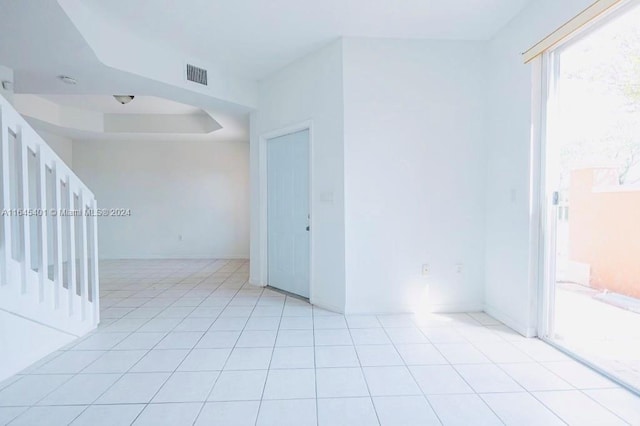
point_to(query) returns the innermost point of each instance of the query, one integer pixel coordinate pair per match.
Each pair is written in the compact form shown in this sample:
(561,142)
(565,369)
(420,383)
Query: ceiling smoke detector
(124,99)
(67,80)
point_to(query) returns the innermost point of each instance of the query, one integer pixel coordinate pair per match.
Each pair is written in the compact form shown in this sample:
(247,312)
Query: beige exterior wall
(604,230)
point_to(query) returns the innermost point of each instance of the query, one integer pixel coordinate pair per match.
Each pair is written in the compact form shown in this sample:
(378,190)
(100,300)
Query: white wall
(414,174)
(197,190)
(309,89)
(24,342)
(121,49)
(6,74)
(410,160)
(60,145)
(511,294)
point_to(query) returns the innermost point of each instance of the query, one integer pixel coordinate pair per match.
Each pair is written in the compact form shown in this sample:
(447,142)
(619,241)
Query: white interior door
(288,212)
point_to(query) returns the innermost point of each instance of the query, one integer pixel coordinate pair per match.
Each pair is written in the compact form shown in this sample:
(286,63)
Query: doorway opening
(591,298)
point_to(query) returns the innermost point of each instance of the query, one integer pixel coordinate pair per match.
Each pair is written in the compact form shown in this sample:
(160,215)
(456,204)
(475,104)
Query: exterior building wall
(604,230)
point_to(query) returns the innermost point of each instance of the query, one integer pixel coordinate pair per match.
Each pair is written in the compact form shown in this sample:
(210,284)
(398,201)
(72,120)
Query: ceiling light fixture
(124,99)
(67,80)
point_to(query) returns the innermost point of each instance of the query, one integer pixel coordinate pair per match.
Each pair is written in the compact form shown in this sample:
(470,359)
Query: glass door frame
(546,70)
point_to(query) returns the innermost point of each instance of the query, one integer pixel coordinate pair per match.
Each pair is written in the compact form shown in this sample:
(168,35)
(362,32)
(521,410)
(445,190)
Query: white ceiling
(256,37)
(247,38)
(106,104)
(40,42)
(100,117)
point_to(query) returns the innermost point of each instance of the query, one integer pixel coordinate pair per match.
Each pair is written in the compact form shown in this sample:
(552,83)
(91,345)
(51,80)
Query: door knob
(308,228)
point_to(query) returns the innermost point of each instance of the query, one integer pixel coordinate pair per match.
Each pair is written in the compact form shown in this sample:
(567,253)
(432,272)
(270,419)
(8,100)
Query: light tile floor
(190,342)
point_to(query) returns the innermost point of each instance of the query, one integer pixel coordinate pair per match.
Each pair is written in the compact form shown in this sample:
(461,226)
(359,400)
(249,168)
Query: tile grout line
(197,286)
(148,351)
(206,399)
(525,390)
(450,364)
(73,375)
(201,337)
(264,387)
(366,382)
(315,365)
(424,396)
(152,348)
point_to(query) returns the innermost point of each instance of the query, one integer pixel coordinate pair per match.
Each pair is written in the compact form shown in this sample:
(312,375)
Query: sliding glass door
(592,192)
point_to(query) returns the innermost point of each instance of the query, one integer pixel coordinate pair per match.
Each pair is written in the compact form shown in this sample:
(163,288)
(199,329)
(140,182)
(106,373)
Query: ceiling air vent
(197,75)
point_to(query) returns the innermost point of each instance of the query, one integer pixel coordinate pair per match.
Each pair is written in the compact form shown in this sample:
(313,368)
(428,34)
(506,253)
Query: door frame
(543,213)
(543,70)
(264,197)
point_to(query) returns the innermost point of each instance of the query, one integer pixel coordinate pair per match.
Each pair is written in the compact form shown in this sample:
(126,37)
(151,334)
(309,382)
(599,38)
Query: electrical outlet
(180,237)
(426,269)
(459,268)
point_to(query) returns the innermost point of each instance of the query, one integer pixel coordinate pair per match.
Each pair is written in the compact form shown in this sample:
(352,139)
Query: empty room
(339,213)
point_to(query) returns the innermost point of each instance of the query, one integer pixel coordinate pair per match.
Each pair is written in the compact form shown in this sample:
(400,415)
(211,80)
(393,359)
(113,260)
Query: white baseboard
(327,306)
(165,257)
(455,308)
(436,309)
(256,282)
(524,329)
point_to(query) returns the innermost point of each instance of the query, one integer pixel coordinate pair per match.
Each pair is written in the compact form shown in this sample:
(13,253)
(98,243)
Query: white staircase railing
(48,233)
